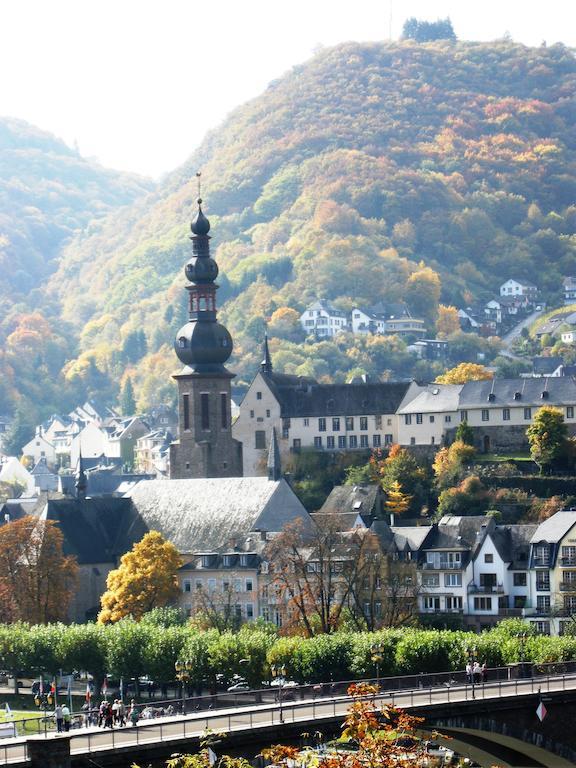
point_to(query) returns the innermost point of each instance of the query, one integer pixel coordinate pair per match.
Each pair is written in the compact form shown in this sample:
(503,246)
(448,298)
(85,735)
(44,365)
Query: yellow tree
(447,321)
(146,579)
(397,502)
(465,372)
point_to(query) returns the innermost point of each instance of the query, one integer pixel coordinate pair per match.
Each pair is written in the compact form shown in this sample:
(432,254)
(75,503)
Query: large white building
(306,414)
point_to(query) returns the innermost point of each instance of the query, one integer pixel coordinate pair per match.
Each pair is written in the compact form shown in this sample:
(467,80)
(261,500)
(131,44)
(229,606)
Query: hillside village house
(520,288)
(569,286)
(425,418)
(323,320)
(393,319)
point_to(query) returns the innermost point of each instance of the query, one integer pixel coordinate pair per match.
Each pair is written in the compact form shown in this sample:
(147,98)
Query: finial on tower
(266,364)
(200,225)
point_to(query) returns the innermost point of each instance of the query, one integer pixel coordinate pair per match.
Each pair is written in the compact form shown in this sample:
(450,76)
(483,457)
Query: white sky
(137,83)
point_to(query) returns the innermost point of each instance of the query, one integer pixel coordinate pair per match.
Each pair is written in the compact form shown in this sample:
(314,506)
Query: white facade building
(323,320)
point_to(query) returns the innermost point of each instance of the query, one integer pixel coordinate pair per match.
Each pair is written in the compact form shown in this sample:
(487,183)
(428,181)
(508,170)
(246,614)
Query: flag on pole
(70,693)
(121,689)
(212,759)
(105,686)
(8,711)
(53,691)
(88,692)
(41,687)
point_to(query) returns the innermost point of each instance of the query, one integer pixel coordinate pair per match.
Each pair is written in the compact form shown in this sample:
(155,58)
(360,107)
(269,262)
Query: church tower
(205,447)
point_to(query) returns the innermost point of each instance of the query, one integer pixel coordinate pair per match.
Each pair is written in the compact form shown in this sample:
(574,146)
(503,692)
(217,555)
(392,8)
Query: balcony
(486,589)
(568,562)
(442,566)
(568,586)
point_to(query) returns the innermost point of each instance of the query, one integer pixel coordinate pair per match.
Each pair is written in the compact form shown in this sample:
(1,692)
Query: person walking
(115,712)
(133,714)
(67,717)
(109,716)
(484,672)
(59,718)
(121,713)
(469,673)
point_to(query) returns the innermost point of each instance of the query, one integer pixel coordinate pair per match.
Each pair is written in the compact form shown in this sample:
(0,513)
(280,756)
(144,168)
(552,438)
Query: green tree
(426,31)
(128,641)
(547,436)
(20,432)
(465,433)
(127,401)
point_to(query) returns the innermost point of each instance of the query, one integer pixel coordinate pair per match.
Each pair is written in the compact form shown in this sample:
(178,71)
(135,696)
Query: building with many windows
(306,414)
(323,320)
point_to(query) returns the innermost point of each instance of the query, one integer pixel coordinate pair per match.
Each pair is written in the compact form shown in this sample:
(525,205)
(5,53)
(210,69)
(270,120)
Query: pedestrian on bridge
(477,672)
(469,673)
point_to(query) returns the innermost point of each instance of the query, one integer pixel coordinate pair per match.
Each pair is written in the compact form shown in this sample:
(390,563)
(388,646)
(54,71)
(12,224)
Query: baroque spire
(202,344)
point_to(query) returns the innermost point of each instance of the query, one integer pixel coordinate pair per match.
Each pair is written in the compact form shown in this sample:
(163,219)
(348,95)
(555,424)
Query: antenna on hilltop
(198,175)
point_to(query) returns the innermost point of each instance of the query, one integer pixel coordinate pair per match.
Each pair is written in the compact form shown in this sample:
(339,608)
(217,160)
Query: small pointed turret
(274,463)
(266,364)
(81,483)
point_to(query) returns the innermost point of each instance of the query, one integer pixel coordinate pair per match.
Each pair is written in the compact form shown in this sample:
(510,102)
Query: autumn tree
(423,292)
(547,436)
(311,574)
(285,324)
(448,321)
(401,466)
(146,579)
(383,591)
(450,463)
(34,571)
(397,502)
(465,372)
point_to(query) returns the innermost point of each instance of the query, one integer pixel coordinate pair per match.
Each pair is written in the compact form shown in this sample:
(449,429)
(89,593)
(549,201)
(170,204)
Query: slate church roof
(305,397)
(205,514)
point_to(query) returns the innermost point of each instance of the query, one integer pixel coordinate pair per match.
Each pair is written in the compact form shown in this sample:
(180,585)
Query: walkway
(177,729)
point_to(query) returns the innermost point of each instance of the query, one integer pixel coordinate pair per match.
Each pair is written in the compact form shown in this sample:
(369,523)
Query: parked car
(241,686)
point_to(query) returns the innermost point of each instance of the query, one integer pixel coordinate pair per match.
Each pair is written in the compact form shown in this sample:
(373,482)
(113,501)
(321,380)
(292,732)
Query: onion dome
(203,345)
(200,225)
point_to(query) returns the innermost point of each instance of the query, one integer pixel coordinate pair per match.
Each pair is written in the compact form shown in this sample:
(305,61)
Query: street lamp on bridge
(183,670)
(279,674)
(377,651)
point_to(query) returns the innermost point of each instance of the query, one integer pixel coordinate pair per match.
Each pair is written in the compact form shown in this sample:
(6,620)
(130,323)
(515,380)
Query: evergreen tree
(425,31)
(19,433)
(127,401)
(465,433)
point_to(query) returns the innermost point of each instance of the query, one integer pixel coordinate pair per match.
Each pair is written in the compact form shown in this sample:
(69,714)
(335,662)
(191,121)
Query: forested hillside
(48,194)
(429,172)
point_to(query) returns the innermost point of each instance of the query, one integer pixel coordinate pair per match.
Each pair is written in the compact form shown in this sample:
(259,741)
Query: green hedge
(131,649)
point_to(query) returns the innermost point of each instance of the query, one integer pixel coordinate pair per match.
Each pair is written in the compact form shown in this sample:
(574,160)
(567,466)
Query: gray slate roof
(561,390)
(355,499)
(434,398)
(513,544)
(555,528)
(96,530)
(412,536)
(305,397)
(206,514)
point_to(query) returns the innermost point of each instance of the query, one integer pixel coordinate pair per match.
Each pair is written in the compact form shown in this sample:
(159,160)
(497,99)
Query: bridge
(458,708)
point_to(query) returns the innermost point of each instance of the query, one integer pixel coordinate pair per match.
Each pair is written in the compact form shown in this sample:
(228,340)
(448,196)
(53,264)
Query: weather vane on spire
(198,175)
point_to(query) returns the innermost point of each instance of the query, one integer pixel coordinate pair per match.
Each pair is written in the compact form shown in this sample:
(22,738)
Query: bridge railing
(322,700)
